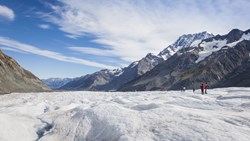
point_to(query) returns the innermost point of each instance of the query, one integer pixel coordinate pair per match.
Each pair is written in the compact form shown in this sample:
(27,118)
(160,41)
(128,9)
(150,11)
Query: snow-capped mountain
(147,63)
(55,83)
(14,78)
(137,68)
(186,40)
(222,61)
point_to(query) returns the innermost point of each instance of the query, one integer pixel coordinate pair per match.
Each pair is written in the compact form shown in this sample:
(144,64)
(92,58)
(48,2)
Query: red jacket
(202,87)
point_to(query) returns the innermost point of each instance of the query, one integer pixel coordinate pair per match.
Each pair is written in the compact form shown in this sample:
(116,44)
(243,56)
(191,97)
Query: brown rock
(13,78)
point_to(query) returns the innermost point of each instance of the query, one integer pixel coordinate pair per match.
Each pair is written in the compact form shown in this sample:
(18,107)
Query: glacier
(223,114)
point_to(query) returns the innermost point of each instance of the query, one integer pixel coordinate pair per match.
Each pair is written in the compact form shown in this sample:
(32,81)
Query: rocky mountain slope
(111,80)
(13,78)
(221,60)
(135,69)
(93,81)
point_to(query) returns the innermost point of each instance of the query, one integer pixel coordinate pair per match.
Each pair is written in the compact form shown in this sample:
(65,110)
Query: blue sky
(71,38)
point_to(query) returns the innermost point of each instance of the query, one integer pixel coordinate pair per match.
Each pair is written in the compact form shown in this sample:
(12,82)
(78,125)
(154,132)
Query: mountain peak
(149,55)
(234,35)
(235,31)
(184,41)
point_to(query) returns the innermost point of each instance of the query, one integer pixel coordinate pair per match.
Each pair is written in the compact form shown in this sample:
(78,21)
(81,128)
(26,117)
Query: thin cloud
(131,29)
(93,51)
(44,26)
(12,49)
(49,54)
(7,13)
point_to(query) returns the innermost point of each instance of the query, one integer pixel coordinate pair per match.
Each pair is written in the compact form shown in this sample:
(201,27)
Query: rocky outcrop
(13,78)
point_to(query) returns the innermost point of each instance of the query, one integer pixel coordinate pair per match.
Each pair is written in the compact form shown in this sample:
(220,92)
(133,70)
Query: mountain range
(222,61)
(193,59)
(111,80)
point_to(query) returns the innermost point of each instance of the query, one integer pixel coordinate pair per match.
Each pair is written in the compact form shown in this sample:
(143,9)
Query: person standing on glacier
(193,89)
(202,89)
(206,87)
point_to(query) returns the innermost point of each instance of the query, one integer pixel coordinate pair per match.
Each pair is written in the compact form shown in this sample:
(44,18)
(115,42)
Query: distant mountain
(55,83)
(222,61)
(13,78)
(135,69)
(92,81)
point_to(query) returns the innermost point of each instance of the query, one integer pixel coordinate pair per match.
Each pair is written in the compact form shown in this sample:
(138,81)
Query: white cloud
(44,26)
(93,51)
(7,13)
(12,49)
(11,44)
(131,29)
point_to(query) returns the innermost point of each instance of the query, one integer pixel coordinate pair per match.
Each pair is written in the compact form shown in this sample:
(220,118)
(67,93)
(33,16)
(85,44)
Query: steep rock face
(16,79)
(221,66)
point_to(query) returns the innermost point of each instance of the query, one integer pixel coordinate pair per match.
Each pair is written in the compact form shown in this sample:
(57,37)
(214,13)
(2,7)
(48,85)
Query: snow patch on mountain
(246,36)
(186,40)
(133,64)
(115,72)
(215,45)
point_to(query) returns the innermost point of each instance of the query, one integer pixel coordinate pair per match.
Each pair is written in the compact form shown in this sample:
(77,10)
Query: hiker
(193,89)
(183,88)
(206,87)
(202,89)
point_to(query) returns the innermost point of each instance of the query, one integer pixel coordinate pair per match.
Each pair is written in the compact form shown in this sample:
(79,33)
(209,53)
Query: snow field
(223,114)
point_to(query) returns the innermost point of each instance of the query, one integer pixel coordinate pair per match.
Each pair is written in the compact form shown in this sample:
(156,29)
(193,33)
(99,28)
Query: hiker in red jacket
(202,89)
(206,87)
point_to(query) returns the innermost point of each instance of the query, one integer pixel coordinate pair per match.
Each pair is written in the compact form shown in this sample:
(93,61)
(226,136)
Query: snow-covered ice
(223,114)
